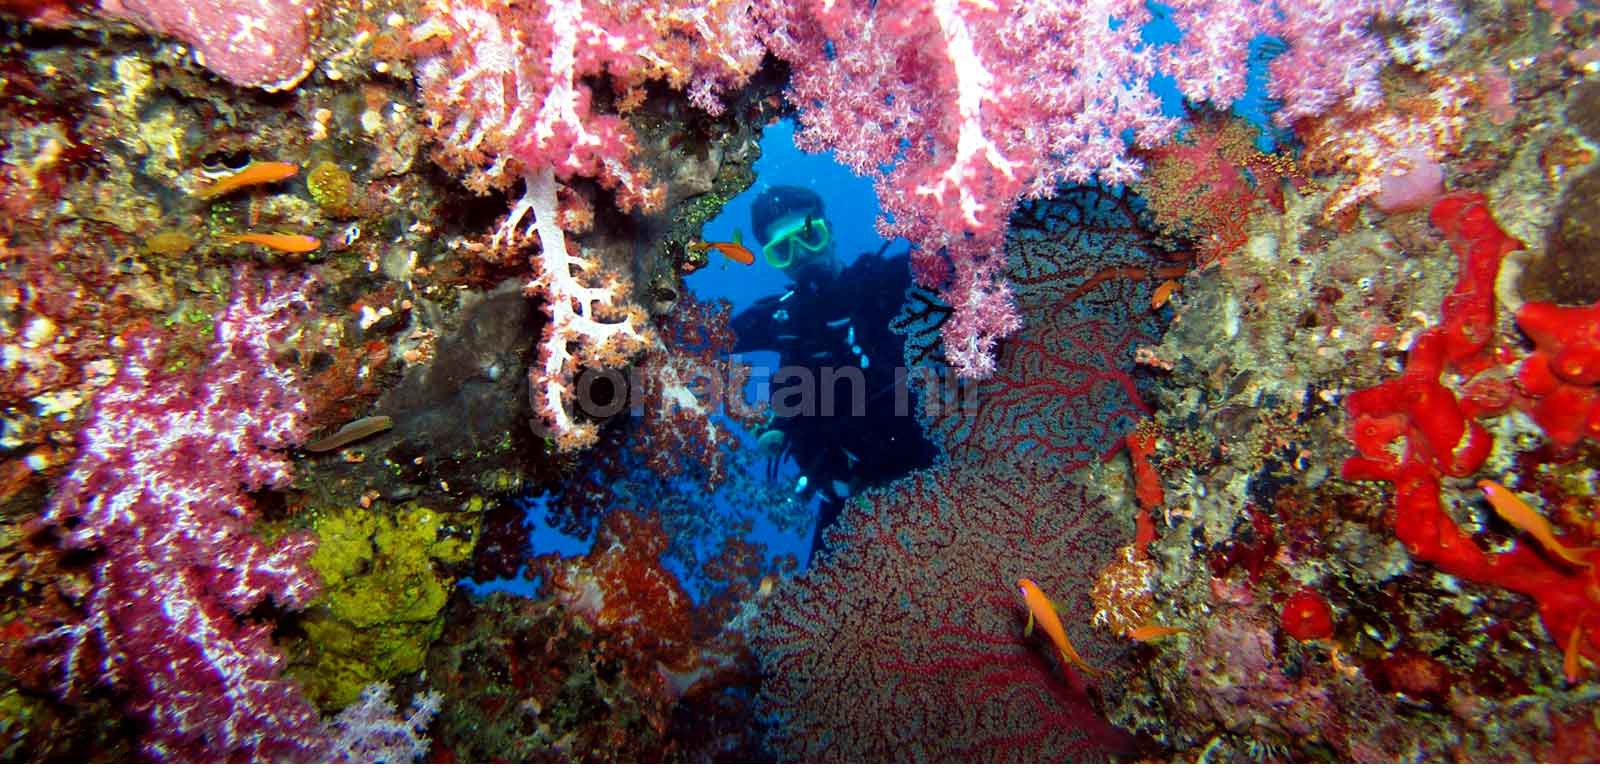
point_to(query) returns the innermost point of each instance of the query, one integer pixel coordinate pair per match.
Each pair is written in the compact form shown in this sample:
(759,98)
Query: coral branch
(590,325)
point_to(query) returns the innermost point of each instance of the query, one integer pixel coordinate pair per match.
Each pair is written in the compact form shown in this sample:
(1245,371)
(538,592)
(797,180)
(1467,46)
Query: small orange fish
(1572,664)
(1152,633)
(730,250)
(1041,607)
(1163,293)
(1523,517)
(290,242)
(259,172)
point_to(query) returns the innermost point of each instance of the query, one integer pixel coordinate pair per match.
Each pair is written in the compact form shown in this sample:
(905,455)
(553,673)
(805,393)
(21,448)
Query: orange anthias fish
(1523,517)
(733,249)
(259,172)
(1163,293)
(290,242)
(1572,663)
(1152,633)
(1041,607)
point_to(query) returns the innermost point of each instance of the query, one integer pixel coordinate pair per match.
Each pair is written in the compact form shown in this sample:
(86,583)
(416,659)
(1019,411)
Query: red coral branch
(1444,439)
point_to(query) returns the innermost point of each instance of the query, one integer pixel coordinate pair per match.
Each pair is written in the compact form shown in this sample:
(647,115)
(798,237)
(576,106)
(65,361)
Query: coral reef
(501,85)
(158,487)
(104,249)
(1371,628)
(618,665)
(983,105)
(523,682)
(280,355)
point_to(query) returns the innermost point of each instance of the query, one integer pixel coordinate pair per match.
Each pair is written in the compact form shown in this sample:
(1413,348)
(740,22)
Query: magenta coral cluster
(504,88)
(506,84)
(160,490)
(502,82)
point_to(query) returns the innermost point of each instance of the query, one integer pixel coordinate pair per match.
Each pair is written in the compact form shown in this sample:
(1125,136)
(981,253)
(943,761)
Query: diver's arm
(755,328)
(904,253)
(877,277)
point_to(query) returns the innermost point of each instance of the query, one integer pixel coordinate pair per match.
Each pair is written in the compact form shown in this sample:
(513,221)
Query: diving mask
(808,236)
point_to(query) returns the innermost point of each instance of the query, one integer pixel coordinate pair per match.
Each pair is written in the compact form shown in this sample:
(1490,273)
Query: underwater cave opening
(779,516)
(812,316)
(810,461)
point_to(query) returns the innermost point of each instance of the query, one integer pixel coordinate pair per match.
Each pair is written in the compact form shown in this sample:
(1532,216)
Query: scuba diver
(833,318)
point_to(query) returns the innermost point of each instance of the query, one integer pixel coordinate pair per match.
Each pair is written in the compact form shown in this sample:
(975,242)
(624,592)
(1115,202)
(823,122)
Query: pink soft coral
(960,109)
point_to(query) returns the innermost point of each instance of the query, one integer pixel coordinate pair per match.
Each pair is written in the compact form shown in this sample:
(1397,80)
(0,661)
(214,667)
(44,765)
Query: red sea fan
(906,643)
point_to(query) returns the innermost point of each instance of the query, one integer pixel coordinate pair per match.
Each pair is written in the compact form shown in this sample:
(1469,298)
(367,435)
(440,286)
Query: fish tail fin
(1572,664)
(1577,557)
(1079,663)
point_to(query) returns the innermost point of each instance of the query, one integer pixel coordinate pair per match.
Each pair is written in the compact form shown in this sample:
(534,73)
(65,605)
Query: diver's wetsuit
(841,321)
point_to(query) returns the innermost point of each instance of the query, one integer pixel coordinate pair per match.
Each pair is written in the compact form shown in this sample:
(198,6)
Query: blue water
(852,210)
(851,205)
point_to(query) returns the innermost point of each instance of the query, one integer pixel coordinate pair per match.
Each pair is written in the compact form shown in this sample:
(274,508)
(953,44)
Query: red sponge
(1306,616)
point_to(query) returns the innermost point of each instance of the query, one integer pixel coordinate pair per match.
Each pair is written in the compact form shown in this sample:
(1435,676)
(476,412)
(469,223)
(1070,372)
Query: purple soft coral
(159,489)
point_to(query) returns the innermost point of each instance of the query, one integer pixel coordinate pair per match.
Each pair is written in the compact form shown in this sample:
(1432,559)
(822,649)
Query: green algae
(382,595)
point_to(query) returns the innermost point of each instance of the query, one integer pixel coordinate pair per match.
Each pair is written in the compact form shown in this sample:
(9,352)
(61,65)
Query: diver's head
(793,232)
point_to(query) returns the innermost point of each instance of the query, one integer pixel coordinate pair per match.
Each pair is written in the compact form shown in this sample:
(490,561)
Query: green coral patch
(382,595)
